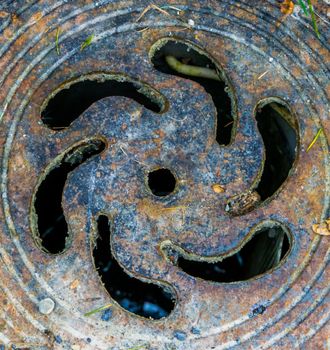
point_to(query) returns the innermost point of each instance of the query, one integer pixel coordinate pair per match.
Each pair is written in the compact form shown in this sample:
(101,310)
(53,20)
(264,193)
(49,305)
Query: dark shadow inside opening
(217,89)
(263,252)
(280,141)
(68,104)
(144,299)
(161,182)
(52,227)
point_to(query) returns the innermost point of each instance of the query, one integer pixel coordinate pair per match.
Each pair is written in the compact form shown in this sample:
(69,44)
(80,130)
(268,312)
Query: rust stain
(155,210)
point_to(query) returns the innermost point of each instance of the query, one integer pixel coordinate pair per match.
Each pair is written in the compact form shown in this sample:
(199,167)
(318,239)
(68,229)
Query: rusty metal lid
(160,186)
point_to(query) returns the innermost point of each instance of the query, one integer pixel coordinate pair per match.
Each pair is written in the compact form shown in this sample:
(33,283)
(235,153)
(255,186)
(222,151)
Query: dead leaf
(323,228)
(287,7)
(74,284)
(218,188)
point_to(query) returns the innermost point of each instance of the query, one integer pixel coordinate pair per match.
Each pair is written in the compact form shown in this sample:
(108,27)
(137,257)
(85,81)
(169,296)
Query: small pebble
(191,22)
(106,315)
(46,306)
(58,339)
(89,340)
(258,310)
(180,335)
(195,330)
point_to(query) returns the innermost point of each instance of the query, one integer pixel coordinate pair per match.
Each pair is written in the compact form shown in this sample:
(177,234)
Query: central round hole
(161,182)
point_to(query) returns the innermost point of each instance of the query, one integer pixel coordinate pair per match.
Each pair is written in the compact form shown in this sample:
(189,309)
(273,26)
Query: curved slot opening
(68,102)
(161,182)
(194,64)
(261,254)
(141,298)
(51,231)
(278,129)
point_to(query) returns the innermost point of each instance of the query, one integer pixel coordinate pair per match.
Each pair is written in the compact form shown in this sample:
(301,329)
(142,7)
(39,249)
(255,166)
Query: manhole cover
(158,190)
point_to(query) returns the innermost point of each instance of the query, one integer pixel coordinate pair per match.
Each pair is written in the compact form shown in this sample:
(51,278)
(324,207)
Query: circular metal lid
(164,175)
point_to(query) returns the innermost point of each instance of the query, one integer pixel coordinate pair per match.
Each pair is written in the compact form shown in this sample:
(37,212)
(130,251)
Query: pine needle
(87,42)
(315,139)
(164,12)
(303,6)
(262,75)
(311,11)
(150,7)
(97,310)
(58,50)
(174,8)
(138,347)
